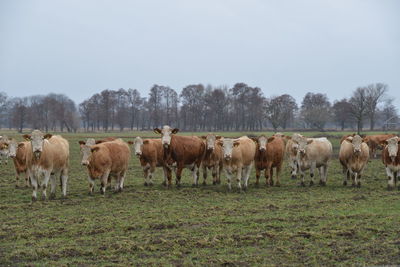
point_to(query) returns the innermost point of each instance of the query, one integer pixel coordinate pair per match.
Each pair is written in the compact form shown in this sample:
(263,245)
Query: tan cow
(182,151)
(18,152)
(3,149)
(291,153)
(105,160)
(391,160)
(313,153)
(150,154)
(238,159)
(374,142)
(269,154)
(48,156)
(212,158)
(353,156)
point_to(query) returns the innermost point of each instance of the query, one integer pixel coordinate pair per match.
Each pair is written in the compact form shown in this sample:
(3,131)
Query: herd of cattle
(43,157)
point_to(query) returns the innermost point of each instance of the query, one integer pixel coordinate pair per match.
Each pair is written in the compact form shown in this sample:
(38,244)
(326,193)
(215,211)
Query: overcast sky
(82,47)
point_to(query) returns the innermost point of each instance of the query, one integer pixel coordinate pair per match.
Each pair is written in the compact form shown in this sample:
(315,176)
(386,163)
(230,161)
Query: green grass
(287,225)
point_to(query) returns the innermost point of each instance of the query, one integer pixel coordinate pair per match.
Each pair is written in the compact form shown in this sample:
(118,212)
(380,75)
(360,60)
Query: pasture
(207,225)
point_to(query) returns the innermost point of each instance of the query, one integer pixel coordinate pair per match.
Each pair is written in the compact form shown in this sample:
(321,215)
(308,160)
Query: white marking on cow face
(137,145)
(356,142)
(37,141)
(393,147)
(210,142)
(262,143)
(302,145)
(227,147)
(166,134)
(86,151)
(12,148)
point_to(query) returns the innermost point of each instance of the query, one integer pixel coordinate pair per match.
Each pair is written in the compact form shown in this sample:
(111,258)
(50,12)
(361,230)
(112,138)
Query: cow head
(37,139)
(4,147)
(166,134)
(86,150)
(262,142)
(393,147)
(227,147)
(356,142)
(302,143)
(210,141)
(12,148)
(137,145)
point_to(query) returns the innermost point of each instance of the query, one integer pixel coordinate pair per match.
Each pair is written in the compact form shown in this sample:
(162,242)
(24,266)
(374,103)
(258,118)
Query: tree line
(200,108)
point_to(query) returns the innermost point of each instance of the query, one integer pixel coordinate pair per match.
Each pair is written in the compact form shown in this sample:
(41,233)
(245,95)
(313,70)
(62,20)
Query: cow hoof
(359,185)
(311,183)
(353,185)
(344,183)
(178,185)
(52,196)
(43,197)
(214,182)
(34,199)
(204,183)
(278,184)
(164,183)
(102,192)
(302,184)
(146,184)
(16,186)
(90,193)
(293,177)
(245,188)
(151,184)
(322,183)
(389,188)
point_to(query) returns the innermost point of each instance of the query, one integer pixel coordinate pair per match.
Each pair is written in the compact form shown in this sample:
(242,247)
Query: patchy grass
(287,225)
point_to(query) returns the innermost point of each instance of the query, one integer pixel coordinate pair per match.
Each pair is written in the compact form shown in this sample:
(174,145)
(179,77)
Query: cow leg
(34,183)
(278,175)
(268,175)
(312,172)
(46,179)
(228,174)
(91,185)
(53,185)
(323,172)
(302,183)
(247,176)
(258,172)
(294,167)
(122,181)
(391,179)
(215,174)
(239,178)
(151,173)
(220,168)
(204,174)
(16,179)
(146,170)
(168,176)
(64,180)
(27,179)
(117,182)
(195,174)
(104,179)
(178,176)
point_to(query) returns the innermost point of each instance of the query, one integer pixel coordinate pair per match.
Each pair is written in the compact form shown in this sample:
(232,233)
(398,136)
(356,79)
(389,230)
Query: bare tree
(358,107)
(341,110)
(280,110)
(315,110)
(374,96)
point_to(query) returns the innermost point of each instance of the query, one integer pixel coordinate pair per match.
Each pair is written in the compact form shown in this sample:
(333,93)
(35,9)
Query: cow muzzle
(393,158)
(37,153)
(85,163)
(138,154)
(228,157)
(262,149)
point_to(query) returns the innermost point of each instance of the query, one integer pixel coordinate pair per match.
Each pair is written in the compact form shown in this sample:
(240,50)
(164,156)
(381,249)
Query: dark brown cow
(391,160)
(269,154)
(212,158)
(374,142)
(185,151)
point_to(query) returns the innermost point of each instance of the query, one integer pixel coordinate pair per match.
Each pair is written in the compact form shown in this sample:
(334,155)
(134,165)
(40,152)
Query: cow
(47,155)
(391,160)
(150,153)
(353,156)
(107,139)
(212,159)
(313,153)
(238,158)
(18,151)
(269,154)
(3,149)
(374,142)
(183,151)
(291,153)
(106,160)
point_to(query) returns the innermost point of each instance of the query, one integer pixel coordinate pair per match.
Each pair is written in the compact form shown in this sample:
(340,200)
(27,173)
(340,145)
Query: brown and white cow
(291,150)
(47,156)
(184,151)
(391,160)
(105,160)
(213,158)
(313,153)
(353,156)
(238,159)
(374,142)
(269,154)
(150,153)
(18,151)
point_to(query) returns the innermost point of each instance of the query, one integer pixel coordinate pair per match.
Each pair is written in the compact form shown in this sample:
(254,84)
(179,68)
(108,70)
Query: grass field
(287,225)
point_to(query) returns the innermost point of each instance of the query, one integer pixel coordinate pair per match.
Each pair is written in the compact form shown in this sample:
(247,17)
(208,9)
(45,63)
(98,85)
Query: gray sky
(82,47)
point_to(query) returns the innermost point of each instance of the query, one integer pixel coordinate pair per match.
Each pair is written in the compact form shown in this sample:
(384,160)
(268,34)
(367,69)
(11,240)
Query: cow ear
(236,143)
(20,145)
(271,139)
(27,137)
(146,142)
(157,130)
(288,137)
(365,140)
(217,137)
(255,139)
(81,143)
(219,142)
(310,141)
(47,136)
(203,137)
(94,149)
(176,130)
(130,142)
(383,143)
